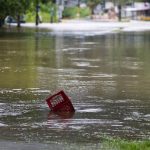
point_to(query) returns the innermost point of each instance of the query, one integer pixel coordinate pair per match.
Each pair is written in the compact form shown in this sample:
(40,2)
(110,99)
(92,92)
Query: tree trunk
(37,19)
(18,21)
(1,22)
(119,13)
(92,12)
(37,13)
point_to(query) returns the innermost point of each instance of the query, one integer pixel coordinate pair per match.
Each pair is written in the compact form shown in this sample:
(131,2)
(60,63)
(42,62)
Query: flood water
(106,76)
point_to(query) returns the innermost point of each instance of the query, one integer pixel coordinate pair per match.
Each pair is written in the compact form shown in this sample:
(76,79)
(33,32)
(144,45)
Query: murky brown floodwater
(107,77)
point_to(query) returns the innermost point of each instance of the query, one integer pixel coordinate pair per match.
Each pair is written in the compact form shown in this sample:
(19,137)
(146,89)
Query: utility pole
(119,12)
(78,3)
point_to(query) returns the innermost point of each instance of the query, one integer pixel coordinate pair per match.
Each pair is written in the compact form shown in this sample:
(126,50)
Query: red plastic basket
(60,102)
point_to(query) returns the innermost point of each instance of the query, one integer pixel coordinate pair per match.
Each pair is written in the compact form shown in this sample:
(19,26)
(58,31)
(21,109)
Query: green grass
(119,144)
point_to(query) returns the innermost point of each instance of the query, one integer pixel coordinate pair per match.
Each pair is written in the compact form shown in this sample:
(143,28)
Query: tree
(14,8)
(3,11)
(93,3)
(37,12)
(36,4)
(18,8)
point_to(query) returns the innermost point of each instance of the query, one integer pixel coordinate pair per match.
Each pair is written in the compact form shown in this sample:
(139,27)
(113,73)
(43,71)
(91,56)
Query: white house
(137,9)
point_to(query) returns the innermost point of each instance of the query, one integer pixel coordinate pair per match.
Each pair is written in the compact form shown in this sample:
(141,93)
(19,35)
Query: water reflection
(106,76)
(61,115)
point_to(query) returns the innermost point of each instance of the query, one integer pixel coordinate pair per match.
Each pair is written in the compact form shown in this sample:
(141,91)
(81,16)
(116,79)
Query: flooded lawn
(106,76)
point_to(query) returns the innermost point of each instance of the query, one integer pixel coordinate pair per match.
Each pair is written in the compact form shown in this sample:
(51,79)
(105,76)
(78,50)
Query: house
(137,10)
(131,11)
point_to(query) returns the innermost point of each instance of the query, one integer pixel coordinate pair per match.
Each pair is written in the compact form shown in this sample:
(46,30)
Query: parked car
(10,19)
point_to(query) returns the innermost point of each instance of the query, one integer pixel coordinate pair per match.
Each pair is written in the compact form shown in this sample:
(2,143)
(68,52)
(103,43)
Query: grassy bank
(119,144)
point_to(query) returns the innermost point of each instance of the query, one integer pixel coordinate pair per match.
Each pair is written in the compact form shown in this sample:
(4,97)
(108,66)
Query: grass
(119,144)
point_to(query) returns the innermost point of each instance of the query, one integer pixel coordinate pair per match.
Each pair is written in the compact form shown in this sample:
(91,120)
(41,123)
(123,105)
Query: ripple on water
(147,117)
(78,123)
(75,49)
(3,125)
(89,43)
(82,64)
(90,110)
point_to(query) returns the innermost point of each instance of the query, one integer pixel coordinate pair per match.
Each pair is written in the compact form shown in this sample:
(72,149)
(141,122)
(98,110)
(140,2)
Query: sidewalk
(83,25)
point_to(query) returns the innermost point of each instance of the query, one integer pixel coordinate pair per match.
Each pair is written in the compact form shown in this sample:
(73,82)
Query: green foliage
(74,12)
(45,7)
(92,4)
(30,16)
(84,12)
(70,12)
(15,7)
(3,9)
(12,8)
(45,12)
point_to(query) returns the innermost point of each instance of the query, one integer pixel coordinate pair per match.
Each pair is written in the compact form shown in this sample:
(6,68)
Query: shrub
(30,16)
(84,12)
(45,13)
(70,12)
(74,12)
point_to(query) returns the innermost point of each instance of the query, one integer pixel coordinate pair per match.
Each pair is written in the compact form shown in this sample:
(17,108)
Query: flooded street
(106,76)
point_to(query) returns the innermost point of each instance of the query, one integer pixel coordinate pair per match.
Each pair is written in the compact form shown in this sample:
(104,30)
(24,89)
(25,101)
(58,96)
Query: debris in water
(60,102)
